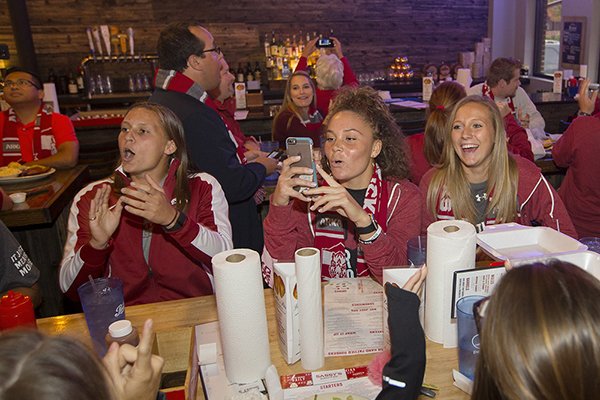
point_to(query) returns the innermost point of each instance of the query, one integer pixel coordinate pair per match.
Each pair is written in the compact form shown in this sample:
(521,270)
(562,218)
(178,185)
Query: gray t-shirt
(16,269)
(480,200)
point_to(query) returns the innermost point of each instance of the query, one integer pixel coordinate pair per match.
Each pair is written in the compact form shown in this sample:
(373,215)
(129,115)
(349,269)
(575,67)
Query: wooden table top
(46,197)
(174,320)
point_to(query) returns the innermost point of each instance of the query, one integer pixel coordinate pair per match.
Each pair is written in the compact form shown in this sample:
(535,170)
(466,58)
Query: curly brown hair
(366,103)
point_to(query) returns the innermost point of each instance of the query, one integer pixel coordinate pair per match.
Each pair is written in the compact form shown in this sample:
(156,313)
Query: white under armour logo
(481,197)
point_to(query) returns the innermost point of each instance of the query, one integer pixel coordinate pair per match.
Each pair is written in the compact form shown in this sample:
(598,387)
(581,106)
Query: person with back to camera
(426,148)
(298,116)
(365,210)
(540,335)
(578,150)
(332,71)
(36,366)
(478,181)
(160,235)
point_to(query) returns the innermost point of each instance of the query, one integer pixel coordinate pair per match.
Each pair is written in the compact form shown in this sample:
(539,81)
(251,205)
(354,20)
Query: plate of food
(16,173)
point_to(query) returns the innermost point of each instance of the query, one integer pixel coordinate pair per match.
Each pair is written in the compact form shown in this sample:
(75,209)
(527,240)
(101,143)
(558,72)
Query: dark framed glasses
(479,309)
(216,49)
(20,83)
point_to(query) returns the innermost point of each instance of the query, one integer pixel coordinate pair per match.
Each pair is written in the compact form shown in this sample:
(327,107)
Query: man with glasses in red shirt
(31,132)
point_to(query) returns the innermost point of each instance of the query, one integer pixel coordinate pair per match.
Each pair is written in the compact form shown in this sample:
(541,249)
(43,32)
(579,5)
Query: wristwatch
(178,224)
(372,227)
(583,113)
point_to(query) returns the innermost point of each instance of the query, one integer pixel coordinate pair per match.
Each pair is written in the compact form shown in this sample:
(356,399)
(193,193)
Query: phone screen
(325,42)
(299,146)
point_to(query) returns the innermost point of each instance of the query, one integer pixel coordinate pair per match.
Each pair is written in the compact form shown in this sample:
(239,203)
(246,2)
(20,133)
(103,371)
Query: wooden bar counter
(174,321)
(40,226)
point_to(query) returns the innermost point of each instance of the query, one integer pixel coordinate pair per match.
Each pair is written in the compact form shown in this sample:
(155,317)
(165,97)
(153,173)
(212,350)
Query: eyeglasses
(21,83)
(216,49)
(479,309)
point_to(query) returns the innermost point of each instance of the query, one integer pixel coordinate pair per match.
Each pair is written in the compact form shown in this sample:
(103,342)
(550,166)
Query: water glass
(468,337)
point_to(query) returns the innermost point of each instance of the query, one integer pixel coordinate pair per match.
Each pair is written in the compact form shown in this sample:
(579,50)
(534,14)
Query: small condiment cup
(18,198)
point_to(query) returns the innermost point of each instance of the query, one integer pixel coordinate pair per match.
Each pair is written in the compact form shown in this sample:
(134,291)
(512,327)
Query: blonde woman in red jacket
(480,182)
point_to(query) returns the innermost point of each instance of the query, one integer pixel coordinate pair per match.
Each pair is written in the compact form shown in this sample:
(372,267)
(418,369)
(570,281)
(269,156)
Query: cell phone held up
(325,43)
(301,146)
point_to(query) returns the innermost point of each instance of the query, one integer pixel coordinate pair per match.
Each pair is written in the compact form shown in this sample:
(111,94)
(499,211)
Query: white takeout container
(18,197)
(586,260)
(513,241)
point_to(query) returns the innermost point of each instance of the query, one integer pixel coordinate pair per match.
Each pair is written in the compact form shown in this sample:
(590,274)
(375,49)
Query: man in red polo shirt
(31,133)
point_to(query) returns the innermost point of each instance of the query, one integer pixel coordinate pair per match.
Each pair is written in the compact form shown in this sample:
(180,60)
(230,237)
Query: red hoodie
(538,202)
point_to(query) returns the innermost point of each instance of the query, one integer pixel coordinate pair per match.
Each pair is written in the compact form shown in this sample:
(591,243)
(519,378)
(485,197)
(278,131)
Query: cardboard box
(254,100)
(287,315)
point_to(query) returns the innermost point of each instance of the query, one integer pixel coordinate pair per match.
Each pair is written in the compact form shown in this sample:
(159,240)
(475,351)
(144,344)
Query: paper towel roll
(463,76)
(583,71)
(51,97)
(450,247)
(242,315)
(308,277)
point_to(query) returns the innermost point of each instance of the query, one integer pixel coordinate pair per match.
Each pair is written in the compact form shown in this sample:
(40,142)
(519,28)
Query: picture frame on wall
(572,42)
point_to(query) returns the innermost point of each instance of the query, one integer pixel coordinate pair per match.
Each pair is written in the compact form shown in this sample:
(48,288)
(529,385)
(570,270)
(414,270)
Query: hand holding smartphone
(301,146)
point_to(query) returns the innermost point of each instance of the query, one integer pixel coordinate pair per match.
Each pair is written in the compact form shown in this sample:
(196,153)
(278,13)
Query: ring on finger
(93,219)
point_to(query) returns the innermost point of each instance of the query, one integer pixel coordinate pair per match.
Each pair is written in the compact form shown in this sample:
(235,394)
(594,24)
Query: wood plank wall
(372,32)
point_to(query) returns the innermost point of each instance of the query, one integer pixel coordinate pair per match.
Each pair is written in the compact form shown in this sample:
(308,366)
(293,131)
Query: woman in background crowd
(365,209)
(298,115)
(478,180)
(332,71)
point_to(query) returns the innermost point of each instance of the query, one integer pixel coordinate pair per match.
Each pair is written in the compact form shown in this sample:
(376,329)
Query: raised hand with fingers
(335,197)
(135,371)
(585,101)
(148,200)
(415,282)
(103,220)
(288,179)
(311,47)
(337,48)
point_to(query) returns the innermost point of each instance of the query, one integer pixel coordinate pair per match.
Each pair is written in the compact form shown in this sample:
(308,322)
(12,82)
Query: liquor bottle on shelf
(285,70)
(300,46)
(79,80)
(73,85)
(257,72)
(288,47)
(52,76)
(249,72)
(294,47)
(267,46)
(240,73)
(274,46)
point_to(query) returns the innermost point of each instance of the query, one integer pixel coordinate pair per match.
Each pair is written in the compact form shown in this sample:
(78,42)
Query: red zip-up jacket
(179,262)
(288,228)
(538,202)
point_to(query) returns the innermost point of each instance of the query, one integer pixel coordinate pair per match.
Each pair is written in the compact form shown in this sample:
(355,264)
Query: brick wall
(372,31)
